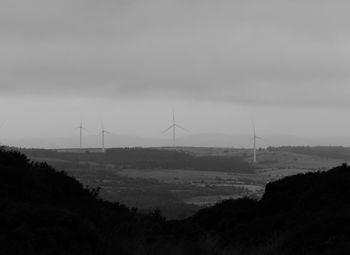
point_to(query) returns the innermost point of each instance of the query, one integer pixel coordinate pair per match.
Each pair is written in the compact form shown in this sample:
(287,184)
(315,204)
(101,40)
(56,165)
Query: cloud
(270,52)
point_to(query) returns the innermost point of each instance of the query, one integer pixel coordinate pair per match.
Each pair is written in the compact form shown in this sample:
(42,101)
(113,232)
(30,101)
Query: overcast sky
(220,64)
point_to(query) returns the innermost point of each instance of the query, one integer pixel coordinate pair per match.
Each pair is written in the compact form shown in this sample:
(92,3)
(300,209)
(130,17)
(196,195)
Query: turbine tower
(173,127)
(81,128)
(103,132)
(255,137)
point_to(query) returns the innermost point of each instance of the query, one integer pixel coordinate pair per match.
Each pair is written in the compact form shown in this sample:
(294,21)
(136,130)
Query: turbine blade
(177,125)
(168,128)
(253,126)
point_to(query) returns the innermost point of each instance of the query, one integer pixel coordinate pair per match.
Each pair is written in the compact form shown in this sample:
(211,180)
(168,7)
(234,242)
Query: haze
(219,64)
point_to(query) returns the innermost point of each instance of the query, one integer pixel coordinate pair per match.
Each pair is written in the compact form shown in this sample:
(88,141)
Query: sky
(221,65)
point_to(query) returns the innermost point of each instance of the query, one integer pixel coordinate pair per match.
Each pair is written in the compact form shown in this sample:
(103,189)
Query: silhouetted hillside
(46,212)
(301,214)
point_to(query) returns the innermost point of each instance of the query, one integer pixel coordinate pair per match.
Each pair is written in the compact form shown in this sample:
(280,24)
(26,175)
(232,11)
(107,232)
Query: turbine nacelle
(255,137)
(174,126)
(81,129)
(103,132)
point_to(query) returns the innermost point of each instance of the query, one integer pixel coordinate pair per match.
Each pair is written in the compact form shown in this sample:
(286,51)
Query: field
(273,164)
(217,185)
(269,158)
(180,191)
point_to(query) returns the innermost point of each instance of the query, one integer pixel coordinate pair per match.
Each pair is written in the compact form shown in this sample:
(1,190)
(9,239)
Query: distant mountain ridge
(195,140)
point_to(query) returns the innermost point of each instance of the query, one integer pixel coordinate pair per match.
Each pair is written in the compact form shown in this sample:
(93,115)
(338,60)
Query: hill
(148,158)
(333,152)
(301,214)
(44,211)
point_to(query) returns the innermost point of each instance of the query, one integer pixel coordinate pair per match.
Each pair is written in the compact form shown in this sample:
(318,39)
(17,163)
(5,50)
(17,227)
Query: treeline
(140,158)
(301,214)
(334,152)
(46,212)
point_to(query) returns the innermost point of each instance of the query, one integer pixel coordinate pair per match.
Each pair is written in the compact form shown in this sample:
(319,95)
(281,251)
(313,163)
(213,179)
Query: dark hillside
(46,212)
(302,214)
(43,211)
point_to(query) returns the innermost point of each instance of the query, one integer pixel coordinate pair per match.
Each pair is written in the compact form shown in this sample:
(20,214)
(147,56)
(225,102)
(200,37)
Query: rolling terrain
(173,180)
(45,211)
(154,178)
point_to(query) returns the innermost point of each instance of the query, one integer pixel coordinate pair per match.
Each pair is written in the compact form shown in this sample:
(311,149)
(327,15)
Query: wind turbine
(255,137)
(103,132)
(174,126)
(81,128)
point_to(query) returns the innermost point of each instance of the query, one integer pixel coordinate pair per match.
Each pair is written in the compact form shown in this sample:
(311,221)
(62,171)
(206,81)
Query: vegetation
(102,170)
(140,158)
(44,211)
(334,152)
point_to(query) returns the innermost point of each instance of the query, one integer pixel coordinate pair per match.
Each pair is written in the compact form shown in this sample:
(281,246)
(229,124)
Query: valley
(179,190)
